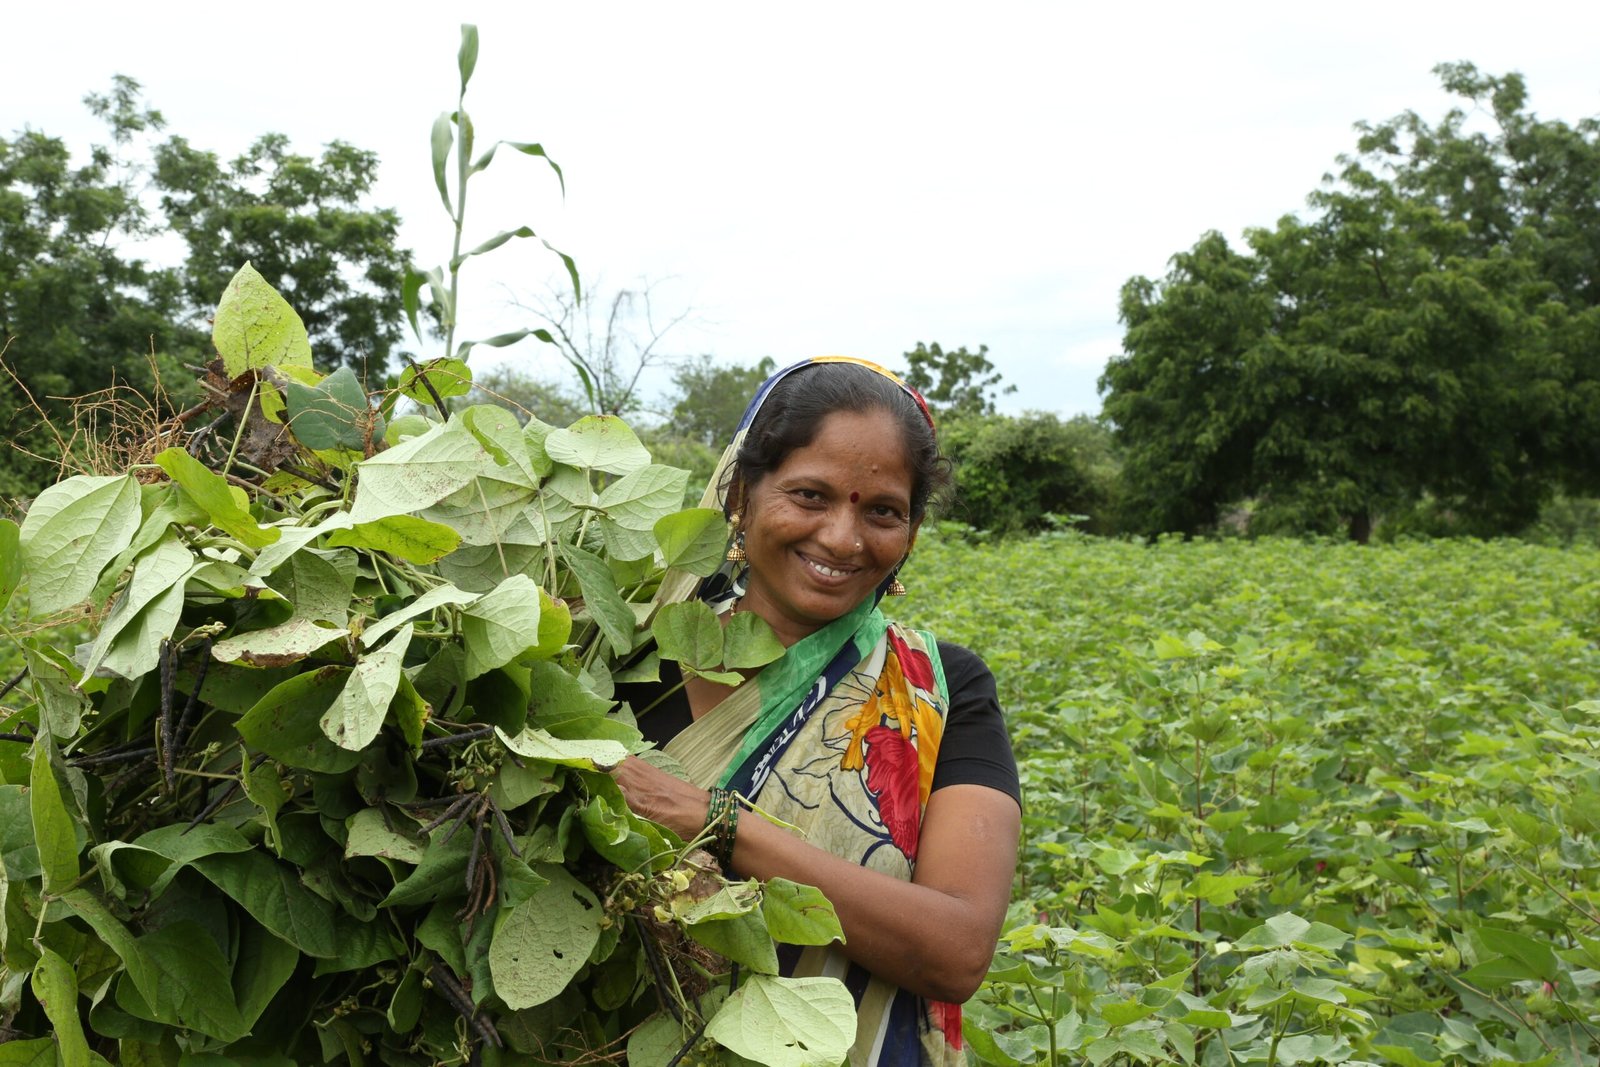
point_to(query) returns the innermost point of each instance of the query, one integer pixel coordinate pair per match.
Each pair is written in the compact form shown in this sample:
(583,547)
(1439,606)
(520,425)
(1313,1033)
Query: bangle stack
(722,823)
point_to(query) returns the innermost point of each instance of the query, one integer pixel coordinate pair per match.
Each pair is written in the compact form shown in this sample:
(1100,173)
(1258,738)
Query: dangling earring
(736,549)
(896,586)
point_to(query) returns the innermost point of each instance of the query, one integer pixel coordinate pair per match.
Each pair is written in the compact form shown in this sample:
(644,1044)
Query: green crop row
(1289,802)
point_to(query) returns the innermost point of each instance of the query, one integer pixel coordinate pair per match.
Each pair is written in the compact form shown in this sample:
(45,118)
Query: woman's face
(828,524)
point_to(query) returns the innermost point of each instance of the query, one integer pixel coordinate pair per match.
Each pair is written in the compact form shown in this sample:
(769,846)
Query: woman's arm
(934,935)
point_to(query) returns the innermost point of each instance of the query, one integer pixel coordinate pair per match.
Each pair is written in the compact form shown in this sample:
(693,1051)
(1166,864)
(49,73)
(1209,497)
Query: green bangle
(722,821)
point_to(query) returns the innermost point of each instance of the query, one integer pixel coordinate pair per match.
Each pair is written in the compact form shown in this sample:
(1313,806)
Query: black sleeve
(975,749)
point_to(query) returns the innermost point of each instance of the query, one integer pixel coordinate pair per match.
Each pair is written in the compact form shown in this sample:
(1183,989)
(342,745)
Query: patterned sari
(839,738)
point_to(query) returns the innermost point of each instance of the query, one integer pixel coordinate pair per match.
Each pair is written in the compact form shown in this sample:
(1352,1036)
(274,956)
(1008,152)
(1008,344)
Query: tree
(77,314)
(1415,341)
(957,382)
(1012,473)
(305,225)
(708,398)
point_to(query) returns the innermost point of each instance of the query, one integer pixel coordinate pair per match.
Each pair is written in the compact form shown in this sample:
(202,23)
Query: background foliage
(1390,744)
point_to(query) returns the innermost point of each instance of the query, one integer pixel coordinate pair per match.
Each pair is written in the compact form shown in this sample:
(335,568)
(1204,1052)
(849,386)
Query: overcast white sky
(820,177)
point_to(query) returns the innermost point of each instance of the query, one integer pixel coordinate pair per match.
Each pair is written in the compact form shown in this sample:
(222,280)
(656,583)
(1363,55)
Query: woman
(885,749)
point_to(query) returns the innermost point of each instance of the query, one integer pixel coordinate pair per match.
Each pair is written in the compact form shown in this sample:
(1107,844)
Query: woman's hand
(654,794)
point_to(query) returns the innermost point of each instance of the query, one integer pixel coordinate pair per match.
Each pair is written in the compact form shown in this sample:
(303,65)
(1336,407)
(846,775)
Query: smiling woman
(882,749)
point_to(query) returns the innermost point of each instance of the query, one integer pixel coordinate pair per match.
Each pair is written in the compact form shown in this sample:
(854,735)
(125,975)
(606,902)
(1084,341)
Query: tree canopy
(1426,337)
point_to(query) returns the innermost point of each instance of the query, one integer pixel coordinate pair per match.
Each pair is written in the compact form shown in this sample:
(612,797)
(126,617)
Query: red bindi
(855,498)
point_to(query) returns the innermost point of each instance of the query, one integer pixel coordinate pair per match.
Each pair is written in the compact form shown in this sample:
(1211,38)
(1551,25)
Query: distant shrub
(1018,474)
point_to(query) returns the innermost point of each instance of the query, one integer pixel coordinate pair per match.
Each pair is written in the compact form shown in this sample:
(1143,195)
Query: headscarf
(839,738)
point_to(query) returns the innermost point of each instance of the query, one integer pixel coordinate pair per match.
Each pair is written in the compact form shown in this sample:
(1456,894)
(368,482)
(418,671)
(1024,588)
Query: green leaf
(1536,955)
(496,429)
(442,138)
(264,965)
(368,834)
(438,596)
(467,57)
(61,704)
(277,646)
(227,505)
(275,897)
(601,599)
(689,633)
(449,378)
(741,938)
(318,583)
(255,327)
(536,744)
(417,473)
(1220,889)
(501,625)
(631,506)
(40,1052)
(655,1043)
(748,641)
(71,532)
(357,713)
(787,1022)
(798,914)
(57,991)
(598,442)
(10,560)
(194,988)
(437,875)
(129,642)
(53,831)
(693,539)
(334,413)
(404,536)
(285,723)
(542,943)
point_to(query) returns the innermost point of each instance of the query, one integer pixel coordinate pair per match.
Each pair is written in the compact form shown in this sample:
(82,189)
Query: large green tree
(1426,336)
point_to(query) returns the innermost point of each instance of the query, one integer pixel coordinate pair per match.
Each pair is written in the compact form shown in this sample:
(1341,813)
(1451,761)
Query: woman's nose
(841,534)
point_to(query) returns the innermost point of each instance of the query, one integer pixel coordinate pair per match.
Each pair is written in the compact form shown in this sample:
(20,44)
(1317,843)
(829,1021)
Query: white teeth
(829,571)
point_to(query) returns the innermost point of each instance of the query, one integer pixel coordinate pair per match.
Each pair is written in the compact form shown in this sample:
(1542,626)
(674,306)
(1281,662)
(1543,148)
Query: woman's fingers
(654,794)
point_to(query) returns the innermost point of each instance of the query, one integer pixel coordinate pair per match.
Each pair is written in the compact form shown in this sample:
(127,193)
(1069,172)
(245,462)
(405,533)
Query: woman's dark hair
(793,412)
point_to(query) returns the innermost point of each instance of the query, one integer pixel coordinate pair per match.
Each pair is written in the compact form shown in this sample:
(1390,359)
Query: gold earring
(736,549)
(896,586)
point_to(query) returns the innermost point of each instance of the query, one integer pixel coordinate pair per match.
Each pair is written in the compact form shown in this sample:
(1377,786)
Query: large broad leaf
(10,560)
(448,377)
(255,327)
(368,833)
(631,506)
(740,938)
(536,744)
(227,504)
(274,895)
(544,941)
(53,831)
(72,530)
(598,442)
(357,713)
(690,633)
(277,646)
(334,413)
(61,704)
(318,583)
(601,598)
(501,625)
(748,641)
(693,540)
(56,989)
(264,964)
(88,907)
(285,724)
(436,597)
(559,695)
(405,536)
(137,642)
(416,473)
(498,431)
(798,914)
(194,987)
(787,1022)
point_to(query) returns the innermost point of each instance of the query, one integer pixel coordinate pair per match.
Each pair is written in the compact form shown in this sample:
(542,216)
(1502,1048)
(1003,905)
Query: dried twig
(13,683)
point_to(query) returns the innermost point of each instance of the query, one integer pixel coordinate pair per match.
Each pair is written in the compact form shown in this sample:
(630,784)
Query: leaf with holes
(544,941)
